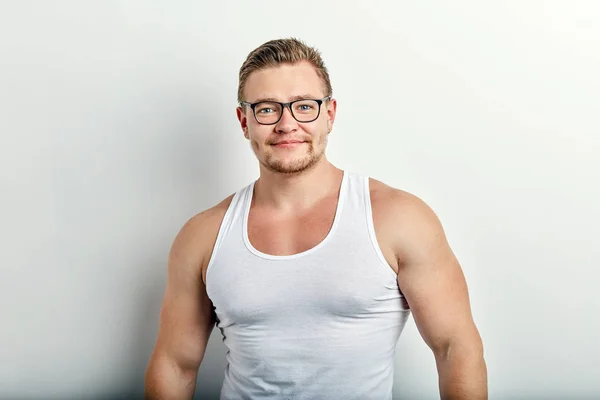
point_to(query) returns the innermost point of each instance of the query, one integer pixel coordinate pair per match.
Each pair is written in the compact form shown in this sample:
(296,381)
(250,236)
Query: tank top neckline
(336,219)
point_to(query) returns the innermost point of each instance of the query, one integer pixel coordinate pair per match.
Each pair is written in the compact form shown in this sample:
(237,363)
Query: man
(310,272)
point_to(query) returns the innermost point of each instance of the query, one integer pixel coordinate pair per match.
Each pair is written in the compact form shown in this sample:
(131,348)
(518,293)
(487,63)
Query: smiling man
(310,272)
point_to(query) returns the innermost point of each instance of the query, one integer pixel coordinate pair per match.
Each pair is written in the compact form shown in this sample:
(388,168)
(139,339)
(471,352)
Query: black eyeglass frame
(283,106)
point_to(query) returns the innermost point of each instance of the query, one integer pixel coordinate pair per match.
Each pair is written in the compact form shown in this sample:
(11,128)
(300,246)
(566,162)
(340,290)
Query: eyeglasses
(270,112)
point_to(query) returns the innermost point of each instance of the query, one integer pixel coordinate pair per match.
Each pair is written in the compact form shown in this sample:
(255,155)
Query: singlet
(321,324)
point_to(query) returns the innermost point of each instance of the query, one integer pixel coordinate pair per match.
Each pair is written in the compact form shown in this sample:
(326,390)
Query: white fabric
(321,324)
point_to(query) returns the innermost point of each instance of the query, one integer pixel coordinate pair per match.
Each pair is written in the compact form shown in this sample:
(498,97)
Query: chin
(290,166)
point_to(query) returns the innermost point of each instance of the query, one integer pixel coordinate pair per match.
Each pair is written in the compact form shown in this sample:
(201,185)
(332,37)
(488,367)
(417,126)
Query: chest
(290,233)
(282,235)
(344,280)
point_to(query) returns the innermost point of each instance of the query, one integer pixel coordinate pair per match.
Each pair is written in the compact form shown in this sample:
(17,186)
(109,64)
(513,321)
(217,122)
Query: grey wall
(117,124)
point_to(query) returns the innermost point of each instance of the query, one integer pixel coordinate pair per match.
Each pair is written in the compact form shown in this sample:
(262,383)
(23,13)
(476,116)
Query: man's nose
(287,122)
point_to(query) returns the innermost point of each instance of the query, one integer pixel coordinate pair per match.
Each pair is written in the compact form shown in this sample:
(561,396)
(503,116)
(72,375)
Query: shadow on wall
(185,164)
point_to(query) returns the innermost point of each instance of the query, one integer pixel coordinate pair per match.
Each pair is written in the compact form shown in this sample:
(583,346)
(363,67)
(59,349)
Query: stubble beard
(302,163)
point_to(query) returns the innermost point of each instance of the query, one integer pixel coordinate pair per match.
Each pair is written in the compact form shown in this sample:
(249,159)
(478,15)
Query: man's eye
(265,111)
(305,107)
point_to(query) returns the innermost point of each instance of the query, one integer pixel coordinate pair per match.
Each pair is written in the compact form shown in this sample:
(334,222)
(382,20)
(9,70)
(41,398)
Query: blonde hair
(282,51)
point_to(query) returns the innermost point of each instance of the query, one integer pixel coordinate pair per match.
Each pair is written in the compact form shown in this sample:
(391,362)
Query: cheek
(257,138)
(317,132)
(324,133)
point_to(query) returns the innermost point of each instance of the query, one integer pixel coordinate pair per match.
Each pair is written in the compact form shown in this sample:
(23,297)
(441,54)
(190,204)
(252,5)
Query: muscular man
(310,272)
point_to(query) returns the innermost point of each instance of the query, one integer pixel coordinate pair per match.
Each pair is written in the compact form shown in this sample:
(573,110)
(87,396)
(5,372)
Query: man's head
(284,71)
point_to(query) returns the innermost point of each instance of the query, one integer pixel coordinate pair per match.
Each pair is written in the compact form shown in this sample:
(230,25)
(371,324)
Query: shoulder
(397,203)
(406,221)
(205,221)
(194,243)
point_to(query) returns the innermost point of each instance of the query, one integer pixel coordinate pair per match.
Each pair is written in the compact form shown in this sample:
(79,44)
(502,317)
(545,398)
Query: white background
(117,124)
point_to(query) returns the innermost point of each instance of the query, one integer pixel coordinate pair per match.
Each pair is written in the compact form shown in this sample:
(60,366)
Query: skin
(298,189)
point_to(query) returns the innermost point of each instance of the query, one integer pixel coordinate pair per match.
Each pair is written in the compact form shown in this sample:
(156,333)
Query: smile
(288,145)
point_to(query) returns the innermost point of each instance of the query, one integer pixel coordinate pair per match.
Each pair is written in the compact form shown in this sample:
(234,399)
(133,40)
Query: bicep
(434,285)
(186,321)
(186,316)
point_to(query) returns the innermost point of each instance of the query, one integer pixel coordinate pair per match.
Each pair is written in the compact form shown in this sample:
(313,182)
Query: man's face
(285,83)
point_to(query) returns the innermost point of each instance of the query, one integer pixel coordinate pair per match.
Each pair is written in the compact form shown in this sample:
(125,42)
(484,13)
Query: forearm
(462,373)
(165,380)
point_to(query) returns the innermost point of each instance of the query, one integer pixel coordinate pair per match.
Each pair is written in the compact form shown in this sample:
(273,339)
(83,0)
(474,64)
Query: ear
(331,110)
(241,115)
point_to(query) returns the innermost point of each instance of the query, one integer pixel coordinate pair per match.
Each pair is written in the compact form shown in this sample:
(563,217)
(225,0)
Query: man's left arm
(433,283)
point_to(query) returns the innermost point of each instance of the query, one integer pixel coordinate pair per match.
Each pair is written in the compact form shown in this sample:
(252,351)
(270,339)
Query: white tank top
(321,324)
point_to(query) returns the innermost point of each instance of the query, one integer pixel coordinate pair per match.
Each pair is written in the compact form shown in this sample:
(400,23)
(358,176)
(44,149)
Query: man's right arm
(186,316)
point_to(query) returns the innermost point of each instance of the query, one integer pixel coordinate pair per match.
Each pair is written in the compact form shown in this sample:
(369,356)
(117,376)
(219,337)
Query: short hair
(282,51)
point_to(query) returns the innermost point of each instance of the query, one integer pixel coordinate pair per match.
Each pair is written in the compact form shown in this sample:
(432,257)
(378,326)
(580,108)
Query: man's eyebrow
(293,98)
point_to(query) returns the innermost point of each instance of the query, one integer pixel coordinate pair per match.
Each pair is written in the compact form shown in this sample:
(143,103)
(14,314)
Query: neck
(291,192)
